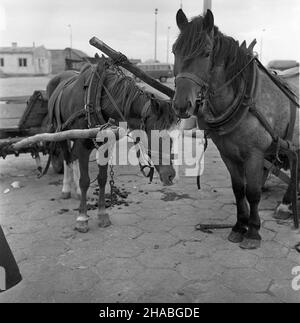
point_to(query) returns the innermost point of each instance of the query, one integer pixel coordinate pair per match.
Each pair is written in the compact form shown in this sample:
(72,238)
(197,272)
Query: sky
(129,25)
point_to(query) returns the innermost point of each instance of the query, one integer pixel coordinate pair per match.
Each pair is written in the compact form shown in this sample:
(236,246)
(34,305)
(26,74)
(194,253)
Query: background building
(60,57)
(18,61)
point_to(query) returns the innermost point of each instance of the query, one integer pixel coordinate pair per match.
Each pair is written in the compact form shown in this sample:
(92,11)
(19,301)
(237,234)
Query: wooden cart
(24,116)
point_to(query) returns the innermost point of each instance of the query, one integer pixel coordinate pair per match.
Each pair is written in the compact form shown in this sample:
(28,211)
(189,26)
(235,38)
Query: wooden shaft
(60,136)
(124,62)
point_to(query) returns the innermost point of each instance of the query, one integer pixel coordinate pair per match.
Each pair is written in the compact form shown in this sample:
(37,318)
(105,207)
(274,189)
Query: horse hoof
(82,226)
(65,195)
(283,212)
(250,244)
(104,222)
(235,237)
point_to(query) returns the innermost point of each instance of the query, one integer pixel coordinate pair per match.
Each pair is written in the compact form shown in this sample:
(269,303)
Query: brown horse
(90,98)
(220,81)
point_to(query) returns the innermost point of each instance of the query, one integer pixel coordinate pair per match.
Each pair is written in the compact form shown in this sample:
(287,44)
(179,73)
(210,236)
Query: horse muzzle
(184,112)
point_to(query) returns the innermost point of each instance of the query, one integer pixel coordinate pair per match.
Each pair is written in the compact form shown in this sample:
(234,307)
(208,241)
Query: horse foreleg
(254,174)
(66,189)
(76,174)
(237,173)
(84,183)
(103,217)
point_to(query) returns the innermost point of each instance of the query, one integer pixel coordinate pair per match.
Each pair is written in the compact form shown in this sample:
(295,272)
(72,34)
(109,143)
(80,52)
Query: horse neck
(225,96)
(136,109)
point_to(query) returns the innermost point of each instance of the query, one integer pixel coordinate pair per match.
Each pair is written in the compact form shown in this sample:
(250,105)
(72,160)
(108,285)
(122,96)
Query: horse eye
(206,55)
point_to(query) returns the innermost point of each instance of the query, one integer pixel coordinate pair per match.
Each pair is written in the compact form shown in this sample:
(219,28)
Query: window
(22,62)
(1,61)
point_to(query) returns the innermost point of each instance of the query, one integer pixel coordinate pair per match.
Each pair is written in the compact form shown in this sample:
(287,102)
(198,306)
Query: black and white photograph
(149,154)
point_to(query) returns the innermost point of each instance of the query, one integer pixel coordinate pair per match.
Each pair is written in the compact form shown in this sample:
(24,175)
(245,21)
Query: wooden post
(206,5)
(124,62)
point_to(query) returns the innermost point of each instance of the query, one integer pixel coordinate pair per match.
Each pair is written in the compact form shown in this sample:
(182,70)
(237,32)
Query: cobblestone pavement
(152,252)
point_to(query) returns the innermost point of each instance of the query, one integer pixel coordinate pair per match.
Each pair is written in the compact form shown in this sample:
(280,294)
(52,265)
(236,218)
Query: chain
(112,184)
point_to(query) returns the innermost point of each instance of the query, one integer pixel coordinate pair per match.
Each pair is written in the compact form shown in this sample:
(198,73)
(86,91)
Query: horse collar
(235,113)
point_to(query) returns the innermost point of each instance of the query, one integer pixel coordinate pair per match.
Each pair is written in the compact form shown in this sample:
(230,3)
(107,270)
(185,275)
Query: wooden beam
(66,135)
(122,60)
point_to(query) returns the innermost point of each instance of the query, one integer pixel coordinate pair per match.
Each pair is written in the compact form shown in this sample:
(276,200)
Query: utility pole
(71,39)
(206,5)
(261,44)
(168,40)
(155,35)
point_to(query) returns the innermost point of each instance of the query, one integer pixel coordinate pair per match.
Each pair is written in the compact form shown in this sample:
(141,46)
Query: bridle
(206,93)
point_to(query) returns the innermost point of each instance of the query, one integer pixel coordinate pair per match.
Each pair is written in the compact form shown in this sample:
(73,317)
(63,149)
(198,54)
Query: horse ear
(208,22)
(181,19)
(251,46)
(243,45)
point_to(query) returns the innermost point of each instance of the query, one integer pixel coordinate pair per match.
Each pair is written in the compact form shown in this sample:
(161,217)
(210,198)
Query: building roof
(17,49)
(76,53)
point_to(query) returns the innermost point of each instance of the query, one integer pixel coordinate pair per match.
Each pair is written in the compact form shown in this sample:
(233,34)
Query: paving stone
(237,259)
(156,225)
(156,240)
(73,280)
(115,231)
(123,291)
(200,269)
(207,292)
(123,248)
(245,280)
(80,258)
(124,219)
(270,249)
(154,280)
(276,268)
(187,233)
(167,258)
(283,290)
(118,268)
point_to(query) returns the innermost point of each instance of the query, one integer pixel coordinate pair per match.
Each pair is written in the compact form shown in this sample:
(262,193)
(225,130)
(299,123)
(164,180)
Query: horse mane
(191,43)
(126,93)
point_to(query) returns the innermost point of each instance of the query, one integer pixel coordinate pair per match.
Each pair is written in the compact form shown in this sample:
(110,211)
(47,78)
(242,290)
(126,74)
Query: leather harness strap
(54,103)
(193,77)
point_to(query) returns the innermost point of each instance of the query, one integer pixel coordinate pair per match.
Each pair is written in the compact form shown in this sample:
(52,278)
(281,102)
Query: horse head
(193,51)
(159,118)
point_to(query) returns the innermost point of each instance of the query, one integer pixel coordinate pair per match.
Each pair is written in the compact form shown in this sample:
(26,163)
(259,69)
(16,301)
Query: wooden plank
(35,112)
(280,174)
(12,110)
(21,98)
(9,123)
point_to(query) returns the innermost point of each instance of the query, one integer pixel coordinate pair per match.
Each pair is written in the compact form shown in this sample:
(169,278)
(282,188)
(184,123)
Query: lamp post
(168,41)
(155,35)
(71,39)
(206,5)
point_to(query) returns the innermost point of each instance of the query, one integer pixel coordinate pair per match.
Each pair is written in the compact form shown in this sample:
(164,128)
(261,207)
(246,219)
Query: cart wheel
(57,161)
